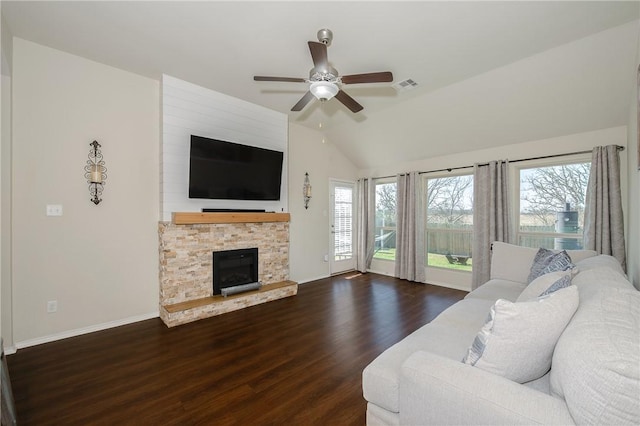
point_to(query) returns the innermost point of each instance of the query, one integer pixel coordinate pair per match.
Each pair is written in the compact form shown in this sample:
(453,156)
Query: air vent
(404,85)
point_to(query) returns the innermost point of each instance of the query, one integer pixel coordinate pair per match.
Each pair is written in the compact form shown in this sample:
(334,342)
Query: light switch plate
(54,209)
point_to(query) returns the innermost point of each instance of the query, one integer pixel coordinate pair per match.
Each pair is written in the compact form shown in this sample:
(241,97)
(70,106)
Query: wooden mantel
(190,218)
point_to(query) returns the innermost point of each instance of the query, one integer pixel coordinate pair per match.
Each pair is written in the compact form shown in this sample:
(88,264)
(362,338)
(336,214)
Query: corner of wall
(6,311)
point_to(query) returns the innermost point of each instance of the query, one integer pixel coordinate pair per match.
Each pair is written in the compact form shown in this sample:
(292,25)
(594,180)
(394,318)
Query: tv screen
(230,171)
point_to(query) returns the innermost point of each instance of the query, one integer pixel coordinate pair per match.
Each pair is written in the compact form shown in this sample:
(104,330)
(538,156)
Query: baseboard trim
(81,331)
(449,285)
(438,283)
(313,279)
(374,271)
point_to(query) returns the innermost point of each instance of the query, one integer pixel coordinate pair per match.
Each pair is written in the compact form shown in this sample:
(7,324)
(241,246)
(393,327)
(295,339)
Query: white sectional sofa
(594,376)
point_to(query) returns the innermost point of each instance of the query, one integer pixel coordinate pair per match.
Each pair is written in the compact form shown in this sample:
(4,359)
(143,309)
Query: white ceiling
(222,45)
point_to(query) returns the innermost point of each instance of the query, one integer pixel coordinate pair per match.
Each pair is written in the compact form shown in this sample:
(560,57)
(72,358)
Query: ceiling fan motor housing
(326,73)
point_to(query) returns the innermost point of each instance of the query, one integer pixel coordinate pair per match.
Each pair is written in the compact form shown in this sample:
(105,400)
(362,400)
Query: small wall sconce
(306,190)
(95,172)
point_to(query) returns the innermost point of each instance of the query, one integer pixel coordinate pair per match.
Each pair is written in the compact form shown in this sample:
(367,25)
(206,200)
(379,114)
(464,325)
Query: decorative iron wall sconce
(306,190)
(95,172)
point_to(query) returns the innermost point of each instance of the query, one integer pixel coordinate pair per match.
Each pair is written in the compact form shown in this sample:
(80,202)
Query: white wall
(557,145)
(99,262)
(190,109)
(576,87)
(309,229)
(633,219)
(6,328)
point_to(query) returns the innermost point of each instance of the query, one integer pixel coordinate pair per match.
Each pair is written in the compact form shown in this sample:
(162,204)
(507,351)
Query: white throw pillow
(518,339)
(542,284)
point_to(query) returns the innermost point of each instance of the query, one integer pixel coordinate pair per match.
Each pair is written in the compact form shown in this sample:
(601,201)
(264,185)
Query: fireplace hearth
(235,269)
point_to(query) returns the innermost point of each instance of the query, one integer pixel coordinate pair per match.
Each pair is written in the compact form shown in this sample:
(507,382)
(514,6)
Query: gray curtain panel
(365,189)
(410,252)
(491,219)
(603,221)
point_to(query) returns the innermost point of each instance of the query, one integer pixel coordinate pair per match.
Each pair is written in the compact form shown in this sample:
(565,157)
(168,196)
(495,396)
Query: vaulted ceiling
(488,73)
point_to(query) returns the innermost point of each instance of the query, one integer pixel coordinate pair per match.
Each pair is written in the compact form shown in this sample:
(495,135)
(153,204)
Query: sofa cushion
(447,335)
(512,263)
(497,289)
(544,283)
(601,261)
(596,363)
(547,261)
(518,339)
(578,255)
(543,384)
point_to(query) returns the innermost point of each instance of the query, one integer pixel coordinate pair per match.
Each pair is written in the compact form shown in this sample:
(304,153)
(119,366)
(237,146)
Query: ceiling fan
(324,80)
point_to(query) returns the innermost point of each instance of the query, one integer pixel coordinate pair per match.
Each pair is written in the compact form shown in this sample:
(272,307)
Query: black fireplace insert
(234,267)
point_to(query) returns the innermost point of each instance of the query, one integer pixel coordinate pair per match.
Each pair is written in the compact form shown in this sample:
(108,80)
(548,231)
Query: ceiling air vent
(404,85)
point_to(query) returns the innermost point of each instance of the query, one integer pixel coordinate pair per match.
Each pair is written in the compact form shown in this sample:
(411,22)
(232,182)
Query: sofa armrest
(440,391)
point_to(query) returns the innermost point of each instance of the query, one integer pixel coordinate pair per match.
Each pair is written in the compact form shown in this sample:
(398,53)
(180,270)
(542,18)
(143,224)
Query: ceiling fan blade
(372,77)
(349,102)
(303,102)
(289,79)
(319,54)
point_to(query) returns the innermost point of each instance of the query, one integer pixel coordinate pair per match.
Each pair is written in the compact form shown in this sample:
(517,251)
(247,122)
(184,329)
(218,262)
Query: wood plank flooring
(293,361)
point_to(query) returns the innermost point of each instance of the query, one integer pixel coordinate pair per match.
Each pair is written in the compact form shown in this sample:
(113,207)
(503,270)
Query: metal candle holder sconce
(306,190)
(95,172)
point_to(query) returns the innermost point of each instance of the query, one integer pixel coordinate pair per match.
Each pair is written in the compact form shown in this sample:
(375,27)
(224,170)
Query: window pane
(450,222)
(385,230)
(552,201)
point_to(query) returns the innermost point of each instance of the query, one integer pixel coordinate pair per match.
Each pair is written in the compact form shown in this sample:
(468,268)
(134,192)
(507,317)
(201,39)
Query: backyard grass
(434,260)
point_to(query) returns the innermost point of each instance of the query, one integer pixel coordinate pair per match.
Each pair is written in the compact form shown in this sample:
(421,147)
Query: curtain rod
(544,157)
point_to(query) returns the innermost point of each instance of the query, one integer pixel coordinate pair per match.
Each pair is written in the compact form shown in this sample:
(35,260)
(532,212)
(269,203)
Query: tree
(449,199)
(546,190)
(386,202)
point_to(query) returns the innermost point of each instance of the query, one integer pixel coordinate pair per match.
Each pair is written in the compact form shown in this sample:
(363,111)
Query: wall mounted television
(230,171)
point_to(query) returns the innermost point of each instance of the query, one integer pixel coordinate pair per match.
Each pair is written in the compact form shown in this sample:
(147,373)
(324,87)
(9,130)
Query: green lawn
(435,260)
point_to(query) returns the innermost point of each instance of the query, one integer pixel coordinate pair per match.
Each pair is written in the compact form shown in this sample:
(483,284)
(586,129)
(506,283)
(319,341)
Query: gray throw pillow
(547,261)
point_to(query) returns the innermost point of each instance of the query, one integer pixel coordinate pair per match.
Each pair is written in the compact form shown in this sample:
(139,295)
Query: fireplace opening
(232,268)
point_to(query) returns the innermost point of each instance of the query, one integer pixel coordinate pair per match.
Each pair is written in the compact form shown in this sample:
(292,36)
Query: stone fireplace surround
(185,249)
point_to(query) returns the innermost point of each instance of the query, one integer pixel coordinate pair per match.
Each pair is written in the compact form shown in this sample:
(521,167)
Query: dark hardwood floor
(293,361)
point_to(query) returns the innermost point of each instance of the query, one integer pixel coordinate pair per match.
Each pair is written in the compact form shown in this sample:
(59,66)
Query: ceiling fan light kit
(324,90)
(324,81)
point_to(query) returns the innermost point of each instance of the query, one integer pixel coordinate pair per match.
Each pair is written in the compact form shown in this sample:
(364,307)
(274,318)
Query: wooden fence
(459,241)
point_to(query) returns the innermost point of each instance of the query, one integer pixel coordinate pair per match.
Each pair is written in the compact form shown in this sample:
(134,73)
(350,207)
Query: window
(449,227)
(385,229)
(552,200)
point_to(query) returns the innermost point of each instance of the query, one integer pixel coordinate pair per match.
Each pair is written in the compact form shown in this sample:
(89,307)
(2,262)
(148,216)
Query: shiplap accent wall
(190,109)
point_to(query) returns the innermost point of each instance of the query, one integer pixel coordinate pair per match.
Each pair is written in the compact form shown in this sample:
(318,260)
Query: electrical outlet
(54,209)
(326,257)
(52,306)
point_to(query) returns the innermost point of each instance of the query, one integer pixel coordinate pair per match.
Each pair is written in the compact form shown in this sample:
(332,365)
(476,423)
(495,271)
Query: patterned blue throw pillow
(548,261)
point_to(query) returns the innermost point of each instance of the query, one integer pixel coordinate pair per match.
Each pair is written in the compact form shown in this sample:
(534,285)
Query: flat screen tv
(230,171)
